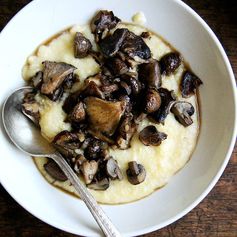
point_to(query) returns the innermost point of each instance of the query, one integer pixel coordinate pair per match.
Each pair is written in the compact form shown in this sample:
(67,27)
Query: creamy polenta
(161,162)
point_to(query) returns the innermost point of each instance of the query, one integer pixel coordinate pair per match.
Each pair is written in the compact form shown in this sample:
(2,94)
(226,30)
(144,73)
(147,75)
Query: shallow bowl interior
(178,24)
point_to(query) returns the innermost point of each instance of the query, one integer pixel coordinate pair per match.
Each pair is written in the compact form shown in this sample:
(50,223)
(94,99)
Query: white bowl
(188,33)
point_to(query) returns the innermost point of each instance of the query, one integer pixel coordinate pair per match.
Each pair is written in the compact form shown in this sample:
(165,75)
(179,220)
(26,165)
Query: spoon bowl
(22,132)
(27,137)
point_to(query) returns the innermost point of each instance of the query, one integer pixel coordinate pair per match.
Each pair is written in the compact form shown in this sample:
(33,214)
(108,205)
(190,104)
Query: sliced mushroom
(30,107)
(104,116)
(92,89)
(110,45)
(95,149)
(89,169)
(100,136)
(71,101)
(37,79)
(54,74)
(81,46)
(133,82)
(167,99)
(103,21)
(99,185)
(108,89)
(134,45)
(149,73)
(31,110)
(125,88)
(54,171)
(66,143)
(116,66)
(136,173)
(78,113)
(183,112)
(150,136)
(152,101)
(113,170)
(125,133)
(170,62)
(189,84)
(77,162)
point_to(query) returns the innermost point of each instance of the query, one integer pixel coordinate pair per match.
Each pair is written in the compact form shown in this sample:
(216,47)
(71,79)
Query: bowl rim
(215,178)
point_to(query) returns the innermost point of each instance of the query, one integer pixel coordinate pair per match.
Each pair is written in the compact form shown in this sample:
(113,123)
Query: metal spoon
(27,137)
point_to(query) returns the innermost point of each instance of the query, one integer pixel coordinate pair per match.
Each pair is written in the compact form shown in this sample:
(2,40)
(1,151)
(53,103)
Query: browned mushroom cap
(54,75)
(99,185)
(100,136)
(133,45)
(136,173)
(152,101)
(104,116)
(81,46)
(189,84)
(37,79)
(89,169)
(110,45)
(92,89)
(103,21)
(116,66)
(66,142)
(78,113)
(133,82)
(170,62)
(183,112)
(150,136)
(167,99)
(54,171)
(95,149)
(113,170)
(125,133)
(149,73)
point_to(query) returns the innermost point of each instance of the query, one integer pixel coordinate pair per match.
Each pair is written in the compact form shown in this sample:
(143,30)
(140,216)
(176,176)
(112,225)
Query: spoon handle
(101,218)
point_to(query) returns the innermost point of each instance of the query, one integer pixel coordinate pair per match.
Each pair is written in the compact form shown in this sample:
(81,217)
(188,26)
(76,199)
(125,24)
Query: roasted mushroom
(134,45)
(183,112)
(152,101)
(99,185)
(54,74)
(95,149)
(37,80)
(125,133)
(116,66)
(77,162)
(67,142)
(150,136)
(136,173)
(104,116)
(30,108)
(81,46)
(149,73)
(103,21)
(54,171)
(170,62)
(133,82)
(110,45)
(113,170)
(189,84)
(78,113)
(92,89)
(167,99)
(89,169)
